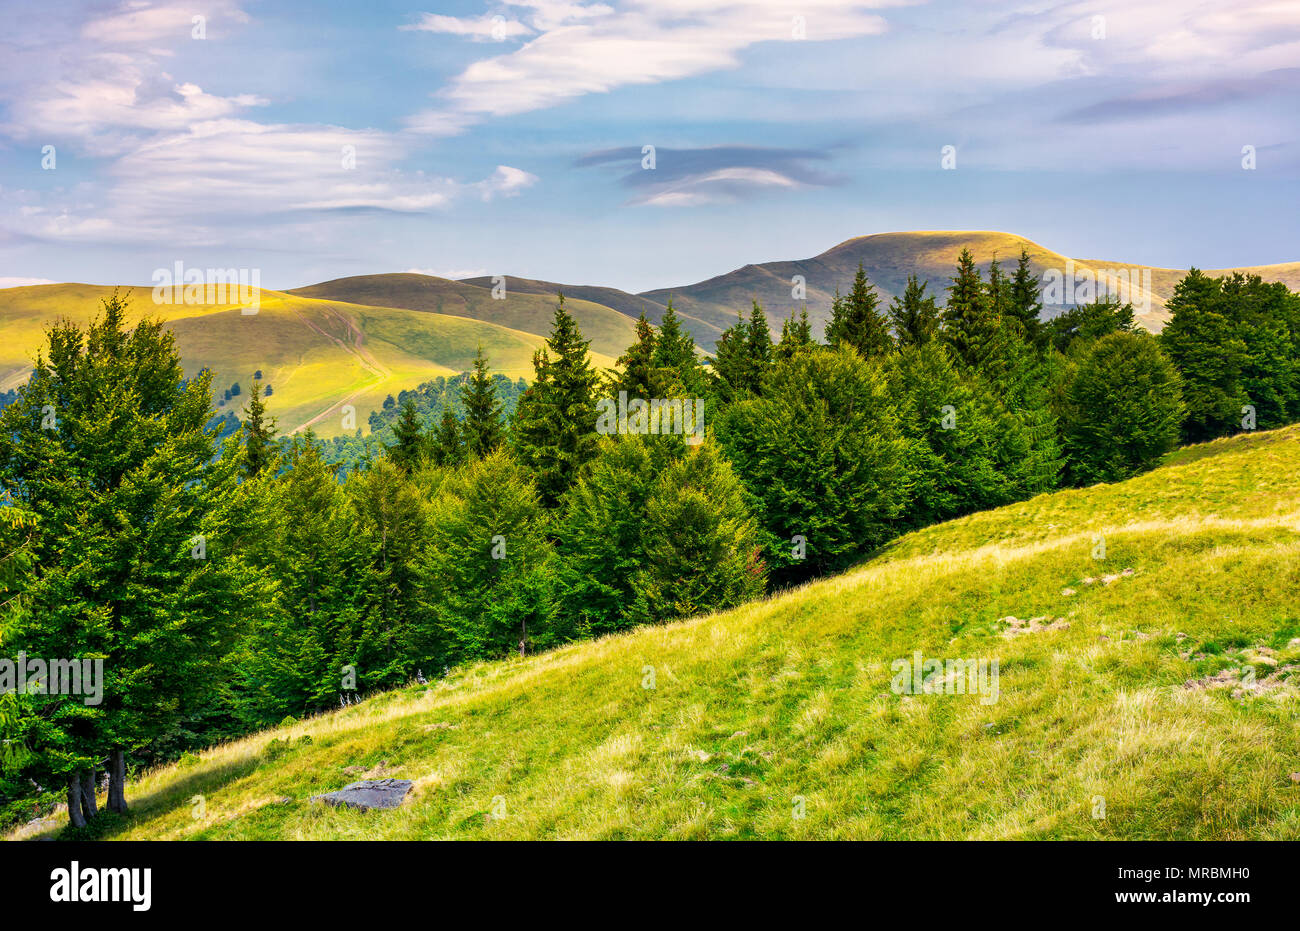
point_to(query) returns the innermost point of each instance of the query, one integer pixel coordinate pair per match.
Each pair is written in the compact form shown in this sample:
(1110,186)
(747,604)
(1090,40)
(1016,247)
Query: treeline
(227,585)
(427,403)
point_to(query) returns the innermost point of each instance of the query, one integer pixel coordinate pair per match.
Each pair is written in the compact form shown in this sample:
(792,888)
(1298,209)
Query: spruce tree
(796,335)
(411,445)
(914,315)
(259,435)
(1025,304)
(555,422)
(731,363)
(447,445)
(857,321)
(483,429)
(637,372)
(758,346)
(675,358)
(969,323)
(1208,352)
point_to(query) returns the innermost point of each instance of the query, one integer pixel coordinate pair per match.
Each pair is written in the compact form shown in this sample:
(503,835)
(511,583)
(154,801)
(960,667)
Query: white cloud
(22,282)
(481,29)
(586,49)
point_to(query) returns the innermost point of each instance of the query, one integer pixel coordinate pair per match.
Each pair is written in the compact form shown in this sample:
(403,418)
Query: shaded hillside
(609,330)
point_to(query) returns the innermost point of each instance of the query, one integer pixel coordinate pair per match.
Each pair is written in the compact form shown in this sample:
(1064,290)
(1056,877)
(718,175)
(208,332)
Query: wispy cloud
(594,48)
(718,174)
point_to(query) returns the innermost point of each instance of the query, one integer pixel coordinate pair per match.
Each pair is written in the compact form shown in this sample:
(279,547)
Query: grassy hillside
(318,355)
(888,259)
(632,305)
(1127,687)
(610,332)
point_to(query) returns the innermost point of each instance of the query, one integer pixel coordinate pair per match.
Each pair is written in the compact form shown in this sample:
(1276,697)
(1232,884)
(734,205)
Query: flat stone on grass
(368,794)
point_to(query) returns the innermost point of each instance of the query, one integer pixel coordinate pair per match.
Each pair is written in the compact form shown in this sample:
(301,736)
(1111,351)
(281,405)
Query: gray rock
(368,794)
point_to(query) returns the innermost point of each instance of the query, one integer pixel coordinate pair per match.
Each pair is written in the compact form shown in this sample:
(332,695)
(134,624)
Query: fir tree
(410,445)
(638,375)
(914,315)
(447,445)
(139,539)
(796,335)
(1025,305)
(969,323)
(675,358)
(483,429)
(259,435)
(857,321)
(555,425)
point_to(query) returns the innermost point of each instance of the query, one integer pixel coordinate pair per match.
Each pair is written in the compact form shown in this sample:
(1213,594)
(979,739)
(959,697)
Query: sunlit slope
(888,258)
(1124,715)
(610,332)
(319,356)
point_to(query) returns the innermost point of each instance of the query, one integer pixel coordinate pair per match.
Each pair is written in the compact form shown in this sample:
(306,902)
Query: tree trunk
(75,818)
(117,781)
(88,808)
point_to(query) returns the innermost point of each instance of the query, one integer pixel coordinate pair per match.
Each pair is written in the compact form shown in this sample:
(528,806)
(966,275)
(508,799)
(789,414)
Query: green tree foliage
(555,423)
(447,445)
(486,577)
(656,529)
(914,315)
(410,444)
(137,554)
(822,457)
(1206,347)
(744,355)
(1087,323)
(1124,407)
(857,320)
(968,453)
(259,435)
(483,430)
(638,374)
(796,335)
(1025,305)
(676,360)
(970,323)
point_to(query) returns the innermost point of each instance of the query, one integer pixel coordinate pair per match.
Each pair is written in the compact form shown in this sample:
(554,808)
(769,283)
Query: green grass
(787,702)
(318,355)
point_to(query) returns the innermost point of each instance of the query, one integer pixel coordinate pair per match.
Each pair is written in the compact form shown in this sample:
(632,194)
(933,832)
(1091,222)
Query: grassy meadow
(318,355)
(1159,698)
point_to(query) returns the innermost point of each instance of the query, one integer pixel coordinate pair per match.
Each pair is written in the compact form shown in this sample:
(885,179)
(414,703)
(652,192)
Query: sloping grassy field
(777,720)
(318,355)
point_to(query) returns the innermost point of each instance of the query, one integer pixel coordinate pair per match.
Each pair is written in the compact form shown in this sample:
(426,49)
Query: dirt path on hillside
(354,344)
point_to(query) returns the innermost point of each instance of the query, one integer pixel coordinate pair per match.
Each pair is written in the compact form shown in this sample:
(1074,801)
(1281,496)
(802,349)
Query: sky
(638,144)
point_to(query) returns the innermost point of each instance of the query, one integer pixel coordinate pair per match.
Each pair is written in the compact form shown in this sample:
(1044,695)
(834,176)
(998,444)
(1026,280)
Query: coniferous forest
(229,579)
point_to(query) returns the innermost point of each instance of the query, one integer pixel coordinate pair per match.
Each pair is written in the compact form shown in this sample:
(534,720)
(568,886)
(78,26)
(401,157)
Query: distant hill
(317,355)
(888,258)
(356,340)
(632,305)
(609,330)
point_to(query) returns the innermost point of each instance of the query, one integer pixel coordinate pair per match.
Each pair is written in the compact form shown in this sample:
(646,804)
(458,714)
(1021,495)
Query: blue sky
(507,138)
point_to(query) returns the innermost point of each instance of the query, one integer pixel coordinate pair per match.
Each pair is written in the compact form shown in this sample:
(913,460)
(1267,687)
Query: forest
(229,577)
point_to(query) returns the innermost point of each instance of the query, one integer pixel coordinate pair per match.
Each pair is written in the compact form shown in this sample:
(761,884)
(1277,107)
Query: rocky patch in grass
(1015,627)
(1088,580)
(1250,672)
